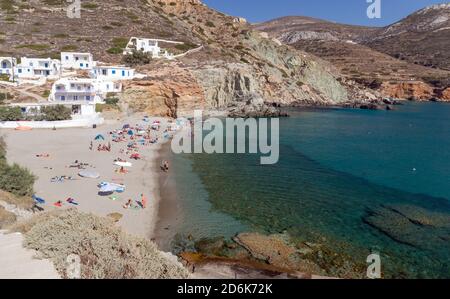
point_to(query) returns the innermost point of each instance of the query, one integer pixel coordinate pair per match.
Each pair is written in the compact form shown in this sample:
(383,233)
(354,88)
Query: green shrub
(10,114)
(68,48)
(115,50)
(111,101)
(15,179)
(4,77)
(61,35)
(5,96)
(89,5)
(137,58)
(210,24)
(54,113)
(120,42)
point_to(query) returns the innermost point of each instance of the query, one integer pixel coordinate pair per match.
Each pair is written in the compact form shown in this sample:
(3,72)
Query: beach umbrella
(99,137)
(108,188)
(89,174)
(130,132)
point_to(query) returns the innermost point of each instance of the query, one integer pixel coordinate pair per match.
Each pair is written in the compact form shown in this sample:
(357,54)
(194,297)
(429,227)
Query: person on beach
(91,146)
(128,204)
(143,201)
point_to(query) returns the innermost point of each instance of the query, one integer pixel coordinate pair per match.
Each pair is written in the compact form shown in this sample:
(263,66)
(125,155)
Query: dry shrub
(104,250)
(6,218)
(21,202)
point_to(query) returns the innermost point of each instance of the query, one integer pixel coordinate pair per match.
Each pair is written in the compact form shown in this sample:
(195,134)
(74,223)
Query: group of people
(165,165)
(142,202)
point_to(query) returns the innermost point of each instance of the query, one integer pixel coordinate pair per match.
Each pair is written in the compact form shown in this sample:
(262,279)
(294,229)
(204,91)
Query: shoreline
(168,211)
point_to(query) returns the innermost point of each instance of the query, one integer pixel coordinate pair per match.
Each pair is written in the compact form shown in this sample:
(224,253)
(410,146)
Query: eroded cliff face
(415,90)
(168,90)
(278,74)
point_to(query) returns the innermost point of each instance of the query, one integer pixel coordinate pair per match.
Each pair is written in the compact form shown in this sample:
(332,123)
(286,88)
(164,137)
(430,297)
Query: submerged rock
(411,225)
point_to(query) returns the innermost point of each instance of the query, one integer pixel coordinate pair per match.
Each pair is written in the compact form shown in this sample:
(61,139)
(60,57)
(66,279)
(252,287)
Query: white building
(37,68)
(82,90)
(146,45)
(108,72)
(7,65)
(77,61)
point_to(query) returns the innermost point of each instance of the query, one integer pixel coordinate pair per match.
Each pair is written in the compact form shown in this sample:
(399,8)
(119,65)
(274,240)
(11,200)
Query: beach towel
(38,199)
(72,201)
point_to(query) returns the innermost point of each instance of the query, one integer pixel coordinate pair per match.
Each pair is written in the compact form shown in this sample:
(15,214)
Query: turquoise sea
(359,181)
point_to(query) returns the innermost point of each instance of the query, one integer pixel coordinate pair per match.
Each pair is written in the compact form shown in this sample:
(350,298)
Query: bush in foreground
(104,250)
(14,179)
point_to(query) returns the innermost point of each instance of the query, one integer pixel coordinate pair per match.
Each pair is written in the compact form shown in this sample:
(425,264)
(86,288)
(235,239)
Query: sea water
(337,168)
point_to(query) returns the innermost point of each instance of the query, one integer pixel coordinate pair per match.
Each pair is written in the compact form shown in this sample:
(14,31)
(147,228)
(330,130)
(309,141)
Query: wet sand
(169,211)
(64,146)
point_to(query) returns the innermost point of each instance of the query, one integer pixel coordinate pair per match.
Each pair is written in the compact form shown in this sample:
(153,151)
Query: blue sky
(342,11)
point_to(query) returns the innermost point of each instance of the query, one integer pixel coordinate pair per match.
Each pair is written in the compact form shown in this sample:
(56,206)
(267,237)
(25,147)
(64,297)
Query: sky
(341,11)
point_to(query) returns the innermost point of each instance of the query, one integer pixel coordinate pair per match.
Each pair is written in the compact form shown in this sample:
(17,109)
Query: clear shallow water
(341,175)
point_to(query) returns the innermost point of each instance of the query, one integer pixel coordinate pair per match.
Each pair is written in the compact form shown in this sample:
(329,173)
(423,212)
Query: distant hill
(415,48)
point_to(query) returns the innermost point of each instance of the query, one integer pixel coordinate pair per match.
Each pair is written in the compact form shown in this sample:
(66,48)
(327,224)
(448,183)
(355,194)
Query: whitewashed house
(109,72)
(77,61)
(82,92)
(38,68)
(7,65)
(146,45)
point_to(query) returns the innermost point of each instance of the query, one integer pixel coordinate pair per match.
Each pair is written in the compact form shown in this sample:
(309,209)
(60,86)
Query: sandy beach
(64,146)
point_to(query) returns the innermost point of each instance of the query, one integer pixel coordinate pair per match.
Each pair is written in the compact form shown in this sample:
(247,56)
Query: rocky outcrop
(254,107)
(224,83)
(413,90)
(444,95)
(278,74)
